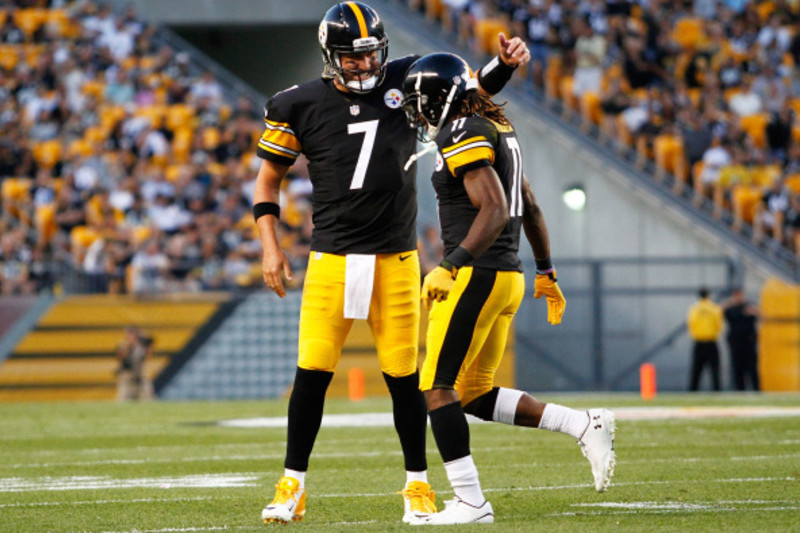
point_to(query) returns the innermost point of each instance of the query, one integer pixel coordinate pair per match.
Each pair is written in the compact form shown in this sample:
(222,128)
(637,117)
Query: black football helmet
(353,28)
(433,86)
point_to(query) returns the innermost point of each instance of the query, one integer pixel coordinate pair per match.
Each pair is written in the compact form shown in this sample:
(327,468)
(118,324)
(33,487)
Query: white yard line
(252,479)
(621,413)
(104,502)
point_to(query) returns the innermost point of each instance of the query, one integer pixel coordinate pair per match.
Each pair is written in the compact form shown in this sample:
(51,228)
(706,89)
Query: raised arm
(495,74)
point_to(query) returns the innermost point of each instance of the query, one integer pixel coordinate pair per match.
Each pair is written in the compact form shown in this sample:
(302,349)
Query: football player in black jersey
(484,200)
(364,265)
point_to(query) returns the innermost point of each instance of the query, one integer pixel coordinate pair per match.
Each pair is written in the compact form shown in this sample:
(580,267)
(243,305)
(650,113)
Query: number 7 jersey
(356,145)
(465,144)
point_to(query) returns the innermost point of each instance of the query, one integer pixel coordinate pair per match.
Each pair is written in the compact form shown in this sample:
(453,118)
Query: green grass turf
(707,474)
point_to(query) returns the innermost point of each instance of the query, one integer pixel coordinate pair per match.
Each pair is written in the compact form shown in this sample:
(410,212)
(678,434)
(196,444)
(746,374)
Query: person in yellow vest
(705,322)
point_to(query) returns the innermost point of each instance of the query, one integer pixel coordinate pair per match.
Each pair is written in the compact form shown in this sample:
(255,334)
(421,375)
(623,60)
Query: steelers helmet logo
(323,33)
(439,161)
(393,98)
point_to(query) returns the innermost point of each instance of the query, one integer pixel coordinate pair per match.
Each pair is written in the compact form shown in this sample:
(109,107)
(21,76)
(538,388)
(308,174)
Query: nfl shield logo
(355,110)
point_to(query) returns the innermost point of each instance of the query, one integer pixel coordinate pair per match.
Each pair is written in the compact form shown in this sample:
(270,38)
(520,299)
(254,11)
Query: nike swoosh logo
(404,257)
(457,138)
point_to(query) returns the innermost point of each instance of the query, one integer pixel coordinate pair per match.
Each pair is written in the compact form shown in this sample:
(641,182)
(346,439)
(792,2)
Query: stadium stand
(71,353)
(126,167)
(676,76)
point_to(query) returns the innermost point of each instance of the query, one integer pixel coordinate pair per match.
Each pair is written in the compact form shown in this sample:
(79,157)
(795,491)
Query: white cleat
(458,511)
(597,445)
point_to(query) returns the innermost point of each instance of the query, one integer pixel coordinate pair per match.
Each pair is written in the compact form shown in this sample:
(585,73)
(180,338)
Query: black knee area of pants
(451,431)
(483,406)
(410,419)
(306,404)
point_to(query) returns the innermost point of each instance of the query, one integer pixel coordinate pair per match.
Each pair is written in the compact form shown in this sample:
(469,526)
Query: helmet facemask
(353,79)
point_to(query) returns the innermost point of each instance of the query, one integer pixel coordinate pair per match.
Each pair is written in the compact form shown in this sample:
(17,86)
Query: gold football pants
(467,333)
(393,313)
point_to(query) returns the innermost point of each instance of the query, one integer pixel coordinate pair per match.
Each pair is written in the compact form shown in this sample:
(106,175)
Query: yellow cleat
(419,501)
(289,504)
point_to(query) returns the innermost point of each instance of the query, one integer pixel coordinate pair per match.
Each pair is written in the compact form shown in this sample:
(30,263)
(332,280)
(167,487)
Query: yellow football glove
(437,285)
(546,285)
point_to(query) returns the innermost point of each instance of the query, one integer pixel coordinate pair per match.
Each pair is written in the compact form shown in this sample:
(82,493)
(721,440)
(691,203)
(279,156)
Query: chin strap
(432,131)
(429,147)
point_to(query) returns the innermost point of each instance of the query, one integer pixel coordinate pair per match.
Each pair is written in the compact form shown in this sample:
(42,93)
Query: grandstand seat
(765,175)
(744,199)
(434,9)
(81,237)
(110,115)
(61,22)
(486,32)
(30,19)
(94,87)
(793,183)
(79,147)
(591,111)
(552,77)
(148,62)
(47,153)
(154,113)
(182,144)
(141,234)
(94,135)
(211,137)
(756,128)
(16,188)
(45,222)
(9,56)
(688,32)
(764,10)
(31,52)
(179,116)
(568,98)
(669,157)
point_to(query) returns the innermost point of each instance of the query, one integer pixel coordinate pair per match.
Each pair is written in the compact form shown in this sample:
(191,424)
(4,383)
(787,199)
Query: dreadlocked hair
(478,103)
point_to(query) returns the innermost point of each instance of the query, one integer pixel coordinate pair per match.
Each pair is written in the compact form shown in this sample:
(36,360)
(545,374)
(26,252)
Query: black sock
(305,416)
(451,431)
(410,419)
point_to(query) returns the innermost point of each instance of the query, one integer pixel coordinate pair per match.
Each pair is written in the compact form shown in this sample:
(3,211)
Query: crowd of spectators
(704,91)
(125,167)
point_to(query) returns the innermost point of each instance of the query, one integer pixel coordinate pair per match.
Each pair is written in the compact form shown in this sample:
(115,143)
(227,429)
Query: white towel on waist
(359,275)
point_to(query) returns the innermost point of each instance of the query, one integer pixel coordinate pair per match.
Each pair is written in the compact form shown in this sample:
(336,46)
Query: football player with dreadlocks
(484,201)
(363,265)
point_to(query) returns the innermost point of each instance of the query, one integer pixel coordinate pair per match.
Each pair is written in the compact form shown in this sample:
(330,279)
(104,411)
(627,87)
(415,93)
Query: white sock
(416,476)
(564,420)
(463,477)
(505,406)
(299,476)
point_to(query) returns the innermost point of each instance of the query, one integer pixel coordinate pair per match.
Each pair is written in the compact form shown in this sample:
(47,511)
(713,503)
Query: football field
(684,463)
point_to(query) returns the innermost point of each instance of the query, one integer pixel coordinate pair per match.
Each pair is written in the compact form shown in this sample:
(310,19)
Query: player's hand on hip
(272,266)
(437,285)
(513,52)
(547,285)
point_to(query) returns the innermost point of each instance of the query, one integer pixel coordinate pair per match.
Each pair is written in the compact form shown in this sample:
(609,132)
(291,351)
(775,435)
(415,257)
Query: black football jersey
(466,144)
(363,201)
